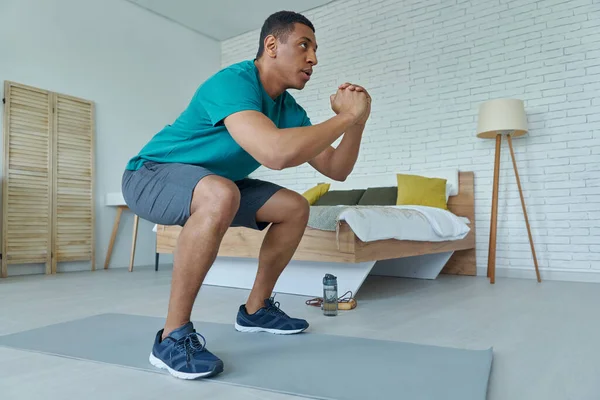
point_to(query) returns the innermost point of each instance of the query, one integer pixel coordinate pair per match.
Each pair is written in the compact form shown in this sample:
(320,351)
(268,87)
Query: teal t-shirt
(199,137)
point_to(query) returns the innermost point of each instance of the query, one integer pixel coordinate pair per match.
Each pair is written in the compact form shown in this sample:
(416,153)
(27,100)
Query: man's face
(297,56)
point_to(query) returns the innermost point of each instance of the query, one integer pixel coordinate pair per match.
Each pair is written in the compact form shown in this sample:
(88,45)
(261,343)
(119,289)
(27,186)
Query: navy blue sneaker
(182,354)
(270,319)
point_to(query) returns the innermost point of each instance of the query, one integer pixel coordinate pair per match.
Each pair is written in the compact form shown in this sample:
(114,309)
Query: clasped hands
(354,100)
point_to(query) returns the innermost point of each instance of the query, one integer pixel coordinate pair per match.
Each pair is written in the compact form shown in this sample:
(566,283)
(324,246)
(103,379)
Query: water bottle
(330,295)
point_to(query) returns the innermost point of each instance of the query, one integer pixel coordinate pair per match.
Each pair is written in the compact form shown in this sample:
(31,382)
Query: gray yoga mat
(310,364)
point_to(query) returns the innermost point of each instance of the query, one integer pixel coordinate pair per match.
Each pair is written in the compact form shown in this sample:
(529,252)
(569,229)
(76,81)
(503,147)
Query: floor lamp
(497,118)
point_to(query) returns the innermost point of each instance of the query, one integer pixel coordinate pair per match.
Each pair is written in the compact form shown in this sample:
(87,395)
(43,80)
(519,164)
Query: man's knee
(216,196)
(299,208)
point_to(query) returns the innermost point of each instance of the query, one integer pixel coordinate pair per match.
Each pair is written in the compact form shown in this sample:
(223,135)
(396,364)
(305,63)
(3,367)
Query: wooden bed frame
(318,253)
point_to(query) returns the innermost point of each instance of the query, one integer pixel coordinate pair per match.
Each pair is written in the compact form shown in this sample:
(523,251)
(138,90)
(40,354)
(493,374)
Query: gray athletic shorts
(162,194)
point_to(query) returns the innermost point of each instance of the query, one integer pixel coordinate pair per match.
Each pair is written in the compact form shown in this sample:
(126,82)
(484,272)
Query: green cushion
(379,196)
(340,198)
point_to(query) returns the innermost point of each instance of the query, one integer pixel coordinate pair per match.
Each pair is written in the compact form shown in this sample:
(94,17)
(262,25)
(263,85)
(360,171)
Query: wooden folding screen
(48,195)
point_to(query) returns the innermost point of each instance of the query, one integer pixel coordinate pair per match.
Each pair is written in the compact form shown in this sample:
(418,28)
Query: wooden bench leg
(4,267)
(136,220)
(113,237)
(156,262)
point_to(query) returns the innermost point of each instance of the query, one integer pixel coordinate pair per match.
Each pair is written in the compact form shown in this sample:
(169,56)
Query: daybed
(342,253)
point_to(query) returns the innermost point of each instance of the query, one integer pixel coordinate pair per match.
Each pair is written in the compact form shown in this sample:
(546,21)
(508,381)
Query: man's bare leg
(214,204)
(288,211)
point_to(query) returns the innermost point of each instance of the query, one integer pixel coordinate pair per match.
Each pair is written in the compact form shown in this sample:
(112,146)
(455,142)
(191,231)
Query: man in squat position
(194,173)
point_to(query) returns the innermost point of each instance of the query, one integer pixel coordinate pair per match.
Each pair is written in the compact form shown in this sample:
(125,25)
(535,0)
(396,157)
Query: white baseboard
(426,266)
(568,275)
(299,277)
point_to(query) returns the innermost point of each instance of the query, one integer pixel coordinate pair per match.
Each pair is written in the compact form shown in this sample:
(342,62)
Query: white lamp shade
(501,116)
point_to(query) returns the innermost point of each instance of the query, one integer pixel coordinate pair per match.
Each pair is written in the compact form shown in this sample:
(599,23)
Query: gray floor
(546,336)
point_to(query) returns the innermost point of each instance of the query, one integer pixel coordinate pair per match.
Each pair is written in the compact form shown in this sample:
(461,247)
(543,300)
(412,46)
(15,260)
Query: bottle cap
(329,279)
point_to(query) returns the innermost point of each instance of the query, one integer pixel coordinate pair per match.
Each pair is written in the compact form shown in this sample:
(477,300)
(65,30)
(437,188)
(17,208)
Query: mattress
(371,223)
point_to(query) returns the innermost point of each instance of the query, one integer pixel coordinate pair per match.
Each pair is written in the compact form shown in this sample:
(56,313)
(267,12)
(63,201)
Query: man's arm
(338,163)
(283,148)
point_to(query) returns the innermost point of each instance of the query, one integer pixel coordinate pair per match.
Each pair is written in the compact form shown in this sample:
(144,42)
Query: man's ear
(271,46)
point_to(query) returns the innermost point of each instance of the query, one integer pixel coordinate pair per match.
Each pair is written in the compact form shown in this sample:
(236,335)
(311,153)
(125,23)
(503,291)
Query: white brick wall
(428,64)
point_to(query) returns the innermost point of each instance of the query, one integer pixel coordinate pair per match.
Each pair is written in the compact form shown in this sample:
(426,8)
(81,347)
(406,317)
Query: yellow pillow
(313,194)
(421,191)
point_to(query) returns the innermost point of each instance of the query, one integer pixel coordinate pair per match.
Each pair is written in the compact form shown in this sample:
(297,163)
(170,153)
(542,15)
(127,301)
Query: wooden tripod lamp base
(497,118)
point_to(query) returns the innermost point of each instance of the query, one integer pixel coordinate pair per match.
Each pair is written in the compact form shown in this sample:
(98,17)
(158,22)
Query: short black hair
(280,25)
